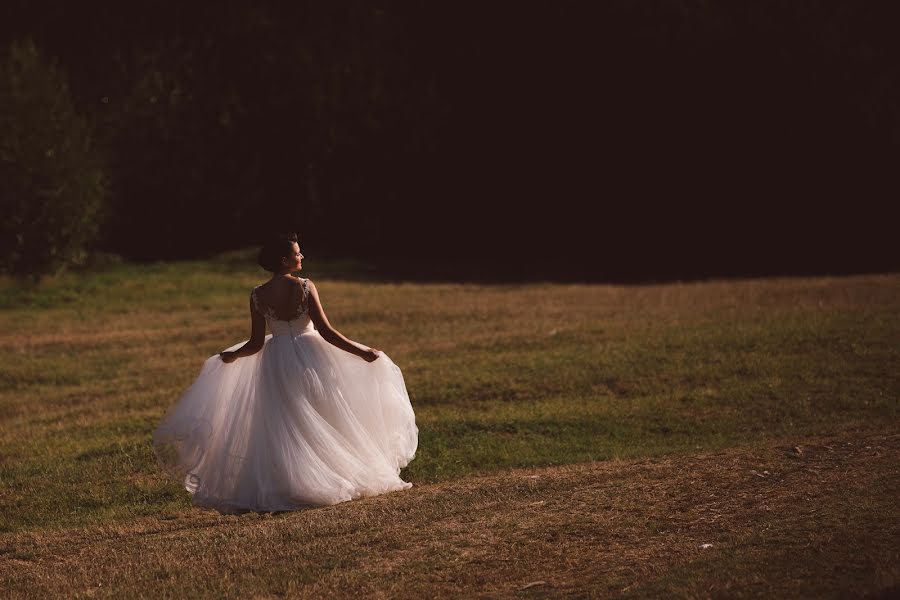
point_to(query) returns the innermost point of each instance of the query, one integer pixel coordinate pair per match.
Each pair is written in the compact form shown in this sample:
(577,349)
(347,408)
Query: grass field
(575,440)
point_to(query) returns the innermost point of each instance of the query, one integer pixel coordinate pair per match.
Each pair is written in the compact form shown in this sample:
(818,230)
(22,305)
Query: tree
(52,181)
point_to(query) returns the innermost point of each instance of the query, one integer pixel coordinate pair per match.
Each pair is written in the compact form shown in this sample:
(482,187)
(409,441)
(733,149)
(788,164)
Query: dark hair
(274,249)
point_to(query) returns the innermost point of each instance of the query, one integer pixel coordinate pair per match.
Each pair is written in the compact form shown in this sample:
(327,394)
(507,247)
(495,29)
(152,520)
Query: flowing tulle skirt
(300,423)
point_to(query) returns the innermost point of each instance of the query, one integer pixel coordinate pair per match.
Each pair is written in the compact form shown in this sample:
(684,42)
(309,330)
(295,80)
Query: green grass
(500,376)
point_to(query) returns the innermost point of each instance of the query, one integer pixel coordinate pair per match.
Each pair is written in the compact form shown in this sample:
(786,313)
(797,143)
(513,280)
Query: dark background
(581,140)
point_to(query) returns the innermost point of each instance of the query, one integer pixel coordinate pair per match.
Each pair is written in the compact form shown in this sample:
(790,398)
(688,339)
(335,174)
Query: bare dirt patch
(806,517)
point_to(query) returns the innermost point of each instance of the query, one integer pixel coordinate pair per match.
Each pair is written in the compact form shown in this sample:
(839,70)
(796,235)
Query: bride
(301,417)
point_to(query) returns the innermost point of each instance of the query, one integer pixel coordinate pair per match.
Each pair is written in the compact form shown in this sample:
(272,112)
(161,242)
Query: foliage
(708,137)
(218,137)
(52,183)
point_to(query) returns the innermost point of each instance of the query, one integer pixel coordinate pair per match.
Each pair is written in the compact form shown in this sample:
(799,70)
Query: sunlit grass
(500,376)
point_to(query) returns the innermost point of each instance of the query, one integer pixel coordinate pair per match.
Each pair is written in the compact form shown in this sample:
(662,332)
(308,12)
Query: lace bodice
(298,322)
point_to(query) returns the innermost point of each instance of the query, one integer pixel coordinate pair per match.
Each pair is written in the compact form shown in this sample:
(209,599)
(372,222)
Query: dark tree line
(662,138)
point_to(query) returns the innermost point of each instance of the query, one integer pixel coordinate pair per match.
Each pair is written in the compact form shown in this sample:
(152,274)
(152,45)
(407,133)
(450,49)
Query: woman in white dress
(301,417)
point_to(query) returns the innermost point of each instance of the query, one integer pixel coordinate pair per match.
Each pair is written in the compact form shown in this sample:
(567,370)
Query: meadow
(575,440)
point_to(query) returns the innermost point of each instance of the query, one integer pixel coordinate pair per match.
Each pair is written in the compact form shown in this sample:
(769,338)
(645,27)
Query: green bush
(52,182)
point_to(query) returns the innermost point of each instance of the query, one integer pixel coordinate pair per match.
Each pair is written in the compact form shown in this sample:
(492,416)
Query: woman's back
(282,298)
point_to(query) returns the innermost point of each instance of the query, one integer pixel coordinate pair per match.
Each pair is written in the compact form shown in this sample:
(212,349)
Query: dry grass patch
(806,517)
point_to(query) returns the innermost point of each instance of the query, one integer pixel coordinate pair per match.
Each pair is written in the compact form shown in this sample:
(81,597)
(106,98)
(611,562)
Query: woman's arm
(332,335)
(257,337)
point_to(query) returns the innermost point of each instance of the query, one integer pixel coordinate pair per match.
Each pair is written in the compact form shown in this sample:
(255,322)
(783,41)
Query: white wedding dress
(300,423)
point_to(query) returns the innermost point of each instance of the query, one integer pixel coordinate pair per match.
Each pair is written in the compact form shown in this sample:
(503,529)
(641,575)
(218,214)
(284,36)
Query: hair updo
(274,249)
